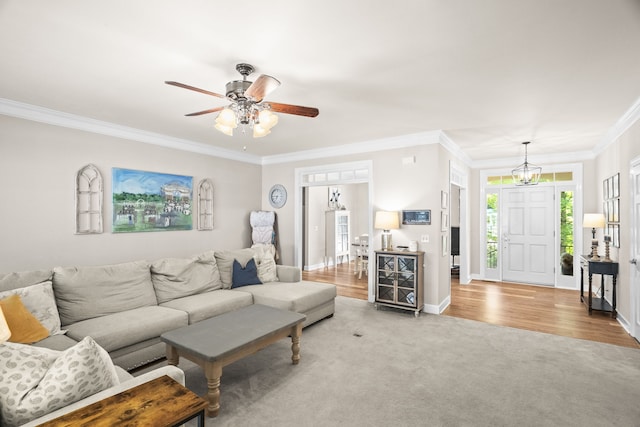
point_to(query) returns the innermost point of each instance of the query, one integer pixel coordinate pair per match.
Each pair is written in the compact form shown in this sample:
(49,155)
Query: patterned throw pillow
(34,382)
(267,268)
(40,301)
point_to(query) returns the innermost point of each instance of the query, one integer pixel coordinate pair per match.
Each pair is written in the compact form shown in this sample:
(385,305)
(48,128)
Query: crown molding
(57,118)
(539,160)
(45,115)
(620,127)
(411,140)
(454,149)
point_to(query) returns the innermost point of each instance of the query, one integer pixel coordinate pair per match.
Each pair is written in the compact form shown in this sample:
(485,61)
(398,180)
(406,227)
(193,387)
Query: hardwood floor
(535,308)
(343,277)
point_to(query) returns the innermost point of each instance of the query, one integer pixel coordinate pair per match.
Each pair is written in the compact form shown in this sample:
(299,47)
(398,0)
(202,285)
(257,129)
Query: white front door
(528,235)
(634,255)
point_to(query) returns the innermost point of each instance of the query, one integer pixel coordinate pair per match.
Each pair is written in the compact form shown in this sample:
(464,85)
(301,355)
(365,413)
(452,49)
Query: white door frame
(577,171)
(459,176)
(634,253)
(333,174)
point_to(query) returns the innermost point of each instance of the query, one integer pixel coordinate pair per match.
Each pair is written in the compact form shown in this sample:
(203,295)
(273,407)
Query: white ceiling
(489,73)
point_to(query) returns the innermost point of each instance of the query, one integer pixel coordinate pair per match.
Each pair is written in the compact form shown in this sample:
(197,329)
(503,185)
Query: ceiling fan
(248,107)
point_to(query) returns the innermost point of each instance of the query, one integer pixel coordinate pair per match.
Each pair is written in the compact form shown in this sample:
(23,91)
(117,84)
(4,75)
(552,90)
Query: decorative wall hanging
(89,200)
(334,198)
(205,205)
(611,207)
(444,221)
(444,199)
(416,217)
(151,201)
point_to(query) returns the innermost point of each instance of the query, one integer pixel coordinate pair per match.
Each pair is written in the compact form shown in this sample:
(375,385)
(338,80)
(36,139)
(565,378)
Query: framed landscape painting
(151,201)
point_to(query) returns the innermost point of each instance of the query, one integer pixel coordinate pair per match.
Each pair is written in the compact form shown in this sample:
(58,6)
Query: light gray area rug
(368,367)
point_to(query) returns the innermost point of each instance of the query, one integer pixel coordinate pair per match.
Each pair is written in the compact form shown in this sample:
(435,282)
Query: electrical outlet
(424,238)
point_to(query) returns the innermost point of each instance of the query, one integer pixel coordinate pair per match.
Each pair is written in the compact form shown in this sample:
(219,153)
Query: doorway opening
(316,187)
(528,234)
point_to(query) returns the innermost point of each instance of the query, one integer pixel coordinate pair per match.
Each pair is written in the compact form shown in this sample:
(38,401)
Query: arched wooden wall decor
(89,200)
(205,205)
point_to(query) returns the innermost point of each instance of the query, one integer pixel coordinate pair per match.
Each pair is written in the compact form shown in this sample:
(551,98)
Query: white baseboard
(624,323)
(437,309)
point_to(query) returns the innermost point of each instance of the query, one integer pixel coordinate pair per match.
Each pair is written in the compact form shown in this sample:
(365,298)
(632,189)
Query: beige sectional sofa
(126,307)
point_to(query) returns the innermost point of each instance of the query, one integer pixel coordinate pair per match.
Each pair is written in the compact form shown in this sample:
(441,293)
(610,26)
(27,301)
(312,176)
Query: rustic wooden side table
(162,402)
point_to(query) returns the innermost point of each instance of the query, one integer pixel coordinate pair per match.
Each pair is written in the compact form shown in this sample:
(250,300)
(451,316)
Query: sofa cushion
(22,279)
(299,297)
(209,304)
(24,327)
(243,276)
(180,277)
(88,292)
(128,327)
(225,263)
(288,273)
(57,342)
(40,301)
(34,385)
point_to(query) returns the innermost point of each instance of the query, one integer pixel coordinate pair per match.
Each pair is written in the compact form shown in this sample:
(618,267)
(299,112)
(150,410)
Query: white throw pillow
(40,302)
(36,382)
(267,268)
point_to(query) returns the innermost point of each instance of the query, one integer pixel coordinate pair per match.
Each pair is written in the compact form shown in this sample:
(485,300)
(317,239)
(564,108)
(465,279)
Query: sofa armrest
(170,370)
(288,273)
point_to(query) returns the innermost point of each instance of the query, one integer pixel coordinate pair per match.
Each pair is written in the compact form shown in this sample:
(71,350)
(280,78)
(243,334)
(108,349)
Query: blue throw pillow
(244,276)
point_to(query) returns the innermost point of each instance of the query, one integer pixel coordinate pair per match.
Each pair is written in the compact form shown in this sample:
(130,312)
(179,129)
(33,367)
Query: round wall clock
(277,196)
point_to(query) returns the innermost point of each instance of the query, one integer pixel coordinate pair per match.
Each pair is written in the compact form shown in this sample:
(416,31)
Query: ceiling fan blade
(184,86)
(294,109)
(262,87)
(211,110)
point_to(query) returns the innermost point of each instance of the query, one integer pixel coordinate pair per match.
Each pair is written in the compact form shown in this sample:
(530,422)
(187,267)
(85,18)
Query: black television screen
(455,240)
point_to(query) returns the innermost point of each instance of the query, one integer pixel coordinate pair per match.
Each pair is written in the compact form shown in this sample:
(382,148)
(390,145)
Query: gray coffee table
(216,342)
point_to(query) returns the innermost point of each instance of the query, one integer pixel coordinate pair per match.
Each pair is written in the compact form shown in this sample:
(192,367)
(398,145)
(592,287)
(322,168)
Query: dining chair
(362,256)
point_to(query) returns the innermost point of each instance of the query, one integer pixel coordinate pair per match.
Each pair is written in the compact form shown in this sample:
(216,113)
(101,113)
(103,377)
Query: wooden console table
(603,269)
(160,402)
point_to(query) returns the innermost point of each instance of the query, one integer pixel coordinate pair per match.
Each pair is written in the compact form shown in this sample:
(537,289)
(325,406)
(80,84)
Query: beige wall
(395,186)
(38,166)
(616,158)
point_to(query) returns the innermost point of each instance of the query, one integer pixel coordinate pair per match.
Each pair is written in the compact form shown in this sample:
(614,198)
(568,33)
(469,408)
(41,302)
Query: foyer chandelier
(527,173)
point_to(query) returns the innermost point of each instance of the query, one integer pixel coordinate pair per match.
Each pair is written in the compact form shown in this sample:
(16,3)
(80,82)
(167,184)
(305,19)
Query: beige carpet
(368,367)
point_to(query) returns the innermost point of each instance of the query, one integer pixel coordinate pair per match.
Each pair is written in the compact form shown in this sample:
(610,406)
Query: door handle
(633,261)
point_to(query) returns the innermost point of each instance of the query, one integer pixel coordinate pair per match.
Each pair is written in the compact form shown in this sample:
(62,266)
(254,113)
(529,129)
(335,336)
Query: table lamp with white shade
(5,333)
(593,221)
(386,221)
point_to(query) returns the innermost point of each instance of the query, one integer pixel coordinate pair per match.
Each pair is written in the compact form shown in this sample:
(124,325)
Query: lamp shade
(387,220)
(593,220)
(5,333)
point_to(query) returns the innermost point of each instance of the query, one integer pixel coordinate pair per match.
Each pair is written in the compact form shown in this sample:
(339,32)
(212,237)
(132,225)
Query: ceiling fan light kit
(247,108)
(527,173)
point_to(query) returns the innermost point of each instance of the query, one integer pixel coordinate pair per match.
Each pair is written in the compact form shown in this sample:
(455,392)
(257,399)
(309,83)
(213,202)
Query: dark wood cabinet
(602,268)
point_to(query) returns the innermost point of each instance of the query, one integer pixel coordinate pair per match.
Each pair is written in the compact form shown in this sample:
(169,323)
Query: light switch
(425,238)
